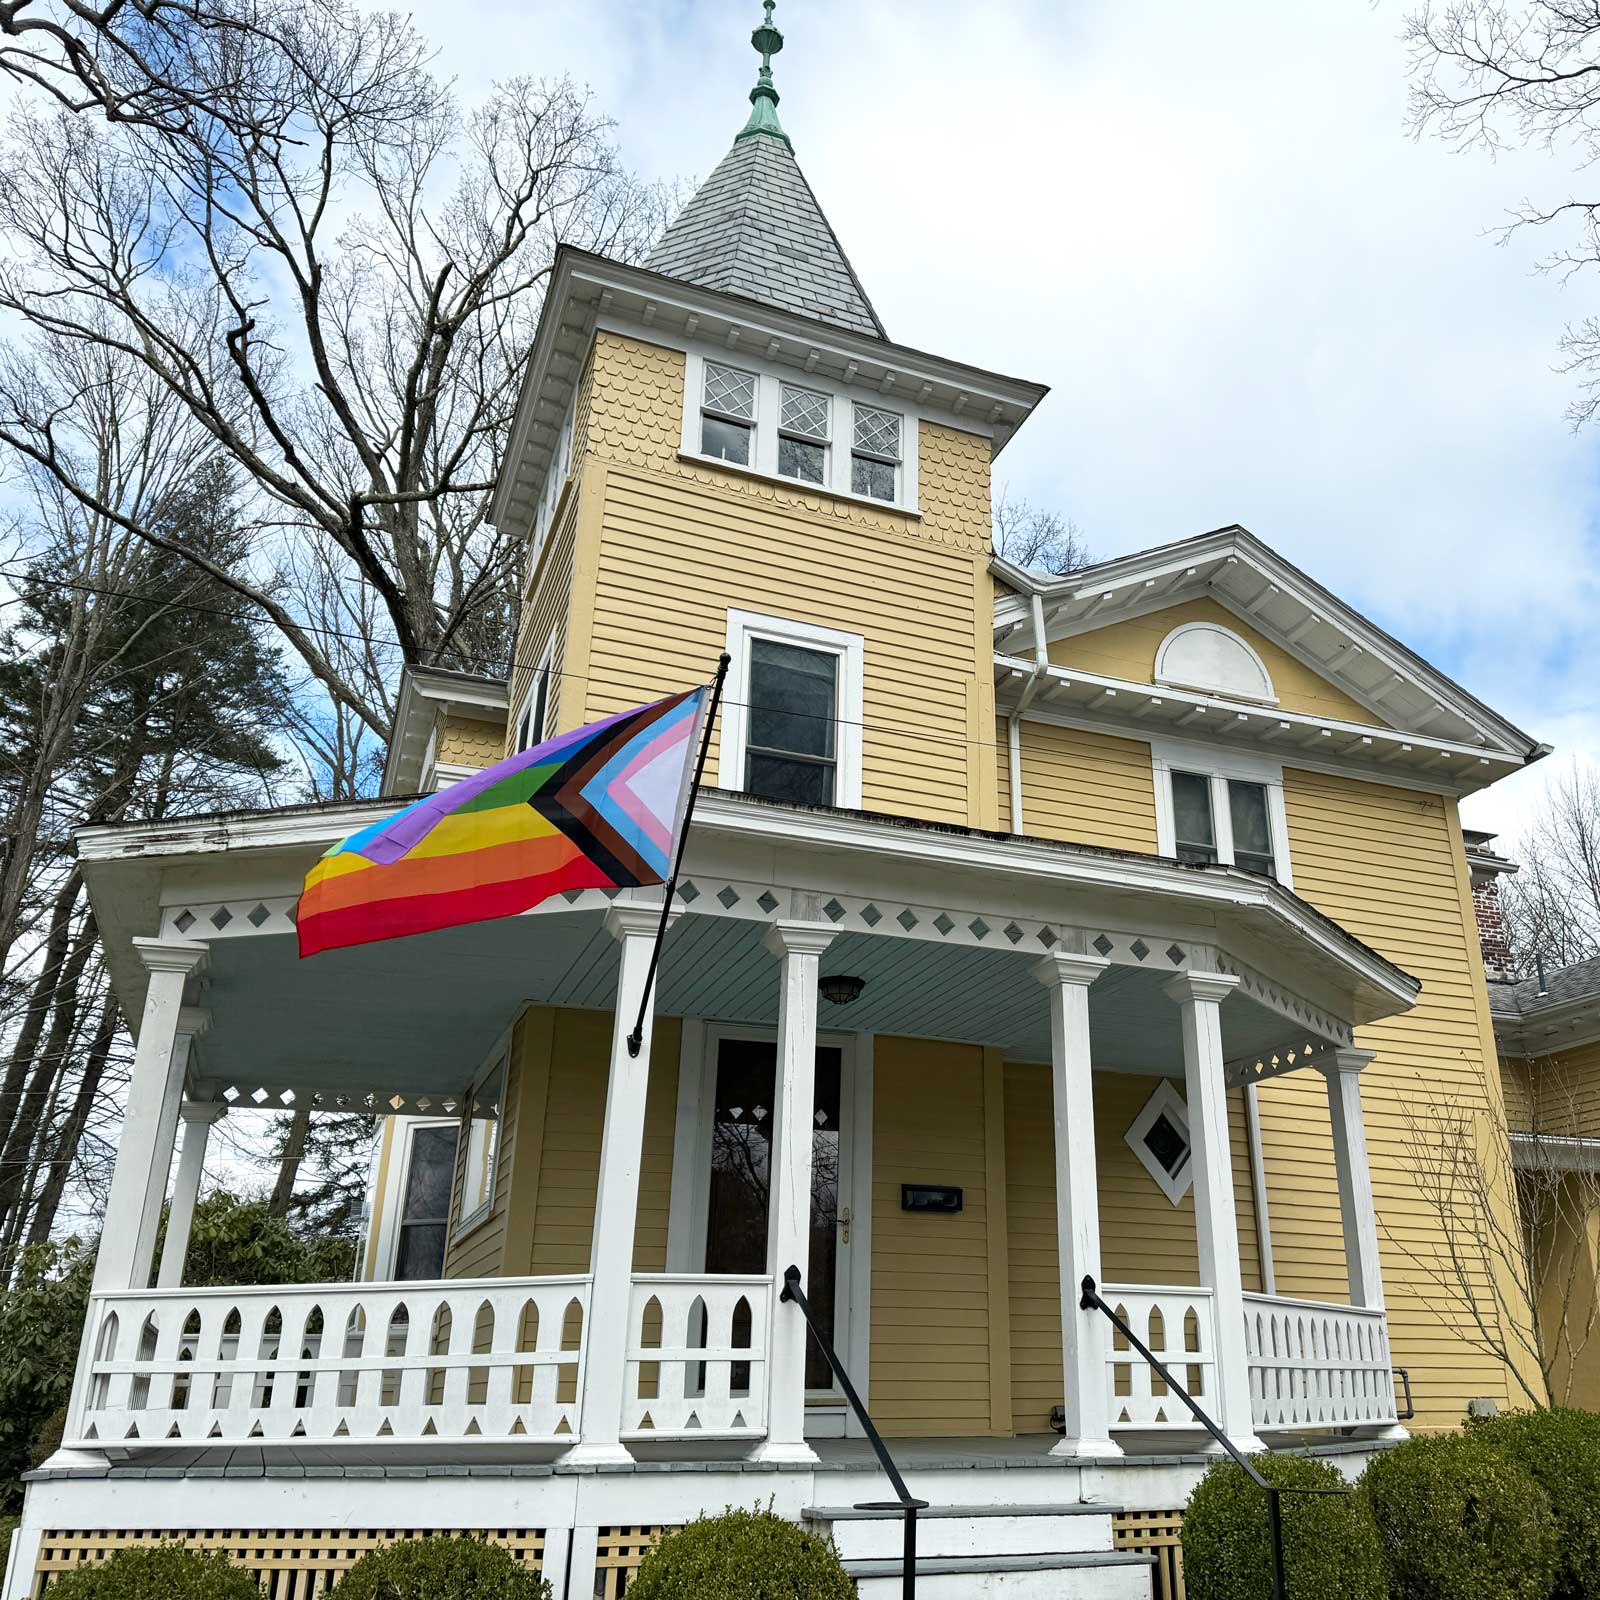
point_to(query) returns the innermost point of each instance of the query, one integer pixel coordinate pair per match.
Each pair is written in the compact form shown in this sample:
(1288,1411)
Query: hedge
(442,1567)
(159,1572)
(1330,1545)
(1458,1521)
(742,1555)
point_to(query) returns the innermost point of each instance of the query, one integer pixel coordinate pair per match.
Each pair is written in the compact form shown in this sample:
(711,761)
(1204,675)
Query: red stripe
(394,919)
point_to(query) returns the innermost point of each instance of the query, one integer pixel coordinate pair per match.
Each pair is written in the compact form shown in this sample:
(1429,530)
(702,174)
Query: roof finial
(764,98)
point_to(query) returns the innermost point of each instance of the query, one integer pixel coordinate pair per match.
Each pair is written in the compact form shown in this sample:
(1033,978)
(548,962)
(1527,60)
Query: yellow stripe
(482,830)
(336,867)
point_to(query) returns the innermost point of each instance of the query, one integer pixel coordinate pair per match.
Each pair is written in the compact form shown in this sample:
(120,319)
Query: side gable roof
(1232,566)
(754,228)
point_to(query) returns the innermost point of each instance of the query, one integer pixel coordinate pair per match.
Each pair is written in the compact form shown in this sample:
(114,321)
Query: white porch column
(799,947)
(1199,996)
(1084,1334)
(197,1117)
(605,1328)
(150,1123)
(1356,1208)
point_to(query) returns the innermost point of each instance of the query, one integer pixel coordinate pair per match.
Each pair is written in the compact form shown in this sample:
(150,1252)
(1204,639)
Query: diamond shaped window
(1159,1137)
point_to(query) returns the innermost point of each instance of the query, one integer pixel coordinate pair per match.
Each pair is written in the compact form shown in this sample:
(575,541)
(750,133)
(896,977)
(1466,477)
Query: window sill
(911,513)
(470,1225)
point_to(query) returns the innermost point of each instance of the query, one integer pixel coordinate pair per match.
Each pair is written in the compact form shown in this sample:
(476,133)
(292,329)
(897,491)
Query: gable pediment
(1231,638)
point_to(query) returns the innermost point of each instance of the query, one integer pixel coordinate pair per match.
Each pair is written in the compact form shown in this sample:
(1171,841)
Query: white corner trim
(1181,664)
(1168,1102)
(850,648)
(1182,755)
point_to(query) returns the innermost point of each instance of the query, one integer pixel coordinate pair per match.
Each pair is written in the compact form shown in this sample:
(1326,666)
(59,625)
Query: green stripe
(512,791)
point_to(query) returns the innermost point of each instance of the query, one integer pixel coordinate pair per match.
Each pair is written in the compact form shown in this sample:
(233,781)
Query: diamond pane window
(804,412)
(730,392)
(878,433)
(1159,1137)
(1194,829)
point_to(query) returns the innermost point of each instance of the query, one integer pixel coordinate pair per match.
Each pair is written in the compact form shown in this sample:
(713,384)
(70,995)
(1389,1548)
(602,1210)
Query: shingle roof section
(754,228)
(1577,982)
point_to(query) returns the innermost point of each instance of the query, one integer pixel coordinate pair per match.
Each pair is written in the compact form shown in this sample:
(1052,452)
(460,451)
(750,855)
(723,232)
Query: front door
(743,1074)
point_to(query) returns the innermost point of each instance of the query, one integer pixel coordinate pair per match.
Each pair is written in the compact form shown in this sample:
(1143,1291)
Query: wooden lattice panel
(617,1557)
(289,1563)
(1160,1534)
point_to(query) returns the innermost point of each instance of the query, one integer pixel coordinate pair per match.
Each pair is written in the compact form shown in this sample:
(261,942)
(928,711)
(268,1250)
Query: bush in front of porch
(159,1572)
(742,1555)
(441,1567)
(1459,1521)
(1330,1545)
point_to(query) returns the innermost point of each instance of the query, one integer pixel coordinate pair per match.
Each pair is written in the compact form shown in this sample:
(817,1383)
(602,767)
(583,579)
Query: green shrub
(8,1529)
(742,1555)
(1330,1546)
(441,1568)
(1560,1451)
(159,1572)
(1458,1521)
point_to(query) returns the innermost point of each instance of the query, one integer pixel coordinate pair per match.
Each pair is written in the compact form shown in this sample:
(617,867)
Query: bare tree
(1489,76)
(289,223)
(1552,905)
(1510,1267)
(1031,536)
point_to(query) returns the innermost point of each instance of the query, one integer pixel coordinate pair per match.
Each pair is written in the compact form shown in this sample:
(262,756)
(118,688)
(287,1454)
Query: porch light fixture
(839,990)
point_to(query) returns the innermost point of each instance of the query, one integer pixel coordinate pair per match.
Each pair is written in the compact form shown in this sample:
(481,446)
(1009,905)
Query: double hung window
(875,454)
(728,414)
(1221,808)
(481,1131)
(803,432)
(791,740)
(425,1202)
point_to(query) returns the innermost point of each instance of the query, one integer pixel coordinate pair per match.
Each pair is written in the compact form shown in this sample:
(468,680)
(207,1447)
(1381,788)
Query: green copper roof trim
(764,97)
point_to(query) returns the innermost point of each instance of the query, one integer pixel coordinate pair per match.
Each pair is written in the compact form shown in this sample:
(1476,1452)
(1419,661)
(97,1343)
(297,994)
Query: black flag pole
(636,1038)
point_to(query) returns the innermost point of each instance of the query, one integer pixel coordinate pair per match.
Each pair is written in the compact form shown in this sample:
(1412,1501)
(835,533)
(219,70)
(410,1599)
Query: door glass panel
(741,1151)
(425,1207)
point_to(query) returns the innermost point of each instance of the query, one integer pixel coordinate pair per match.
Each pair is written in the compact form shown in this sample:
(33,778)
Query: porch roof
(946,924)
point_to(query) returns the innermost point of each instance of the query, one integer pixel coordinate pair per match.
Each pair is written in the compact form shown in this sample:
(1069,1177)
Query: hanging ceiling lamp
(840,990)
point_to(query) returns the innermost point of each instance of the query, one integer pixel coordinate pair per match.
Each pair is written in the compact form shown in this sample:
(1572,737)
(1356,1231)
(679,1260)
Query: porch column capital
(1347,1059)
(203,1112)
(170,955)
(791,937)
(1066,966)
(193,1021)
(1213,986)
(635,919)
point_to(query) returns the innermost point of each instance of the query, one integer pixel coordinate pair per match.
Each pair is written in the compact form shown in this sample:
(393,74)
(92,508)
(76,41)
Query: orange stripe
(522,858)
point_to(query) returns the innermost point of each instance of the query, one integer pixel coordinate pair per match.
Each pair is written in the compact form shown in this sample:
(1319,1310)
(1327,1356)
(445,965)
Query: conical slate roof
(754,227)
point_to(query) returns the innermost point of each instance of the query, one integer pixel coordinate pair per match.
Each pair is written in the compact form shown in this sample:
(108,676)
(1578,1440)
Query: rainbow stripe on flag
(599,808)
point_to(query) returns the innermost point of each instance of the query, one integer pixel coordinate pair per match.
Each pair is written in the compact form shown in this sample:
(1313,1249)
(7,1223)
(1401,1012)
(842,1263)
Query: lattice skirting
(289,1563)
(1157,1533)
(617,1557)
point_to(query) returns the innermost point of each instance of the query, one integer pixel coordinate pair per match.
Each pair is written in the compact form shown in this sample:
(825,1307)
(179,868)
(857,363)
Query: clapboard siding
(1090,788)
(481,1252)
(1556,1094)
(545,613)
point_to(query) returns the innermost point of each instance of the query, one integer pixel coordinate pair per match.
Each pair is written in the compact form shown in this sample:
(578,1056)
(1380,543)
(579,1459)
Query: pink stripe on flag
(633,805)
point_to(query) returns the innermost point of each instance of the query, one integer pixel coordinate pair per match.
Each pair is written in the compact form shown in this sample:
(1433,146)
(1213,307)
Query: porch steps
(999,1552)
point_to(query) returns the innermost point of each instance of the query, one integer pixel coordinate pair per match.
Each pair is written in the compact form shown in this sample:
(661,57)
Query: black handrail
(1404,1375)
(906,1503)
(1090,1301)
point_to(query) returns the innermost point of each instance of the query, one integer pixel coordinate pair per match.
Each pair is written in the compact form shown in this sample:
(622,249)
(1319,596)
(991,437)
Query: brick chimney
(1487,868)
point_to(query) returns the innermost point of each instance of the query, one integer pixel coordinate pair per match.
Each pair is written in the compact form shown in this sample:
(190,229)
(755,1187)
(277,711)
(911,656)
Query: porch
(1091,963)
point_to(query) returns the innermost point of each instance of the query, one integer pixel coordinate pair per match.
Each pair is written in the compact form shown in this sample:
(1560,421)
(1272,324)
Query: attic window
(803,434)
(1209,657)
(875,460)
(728,414)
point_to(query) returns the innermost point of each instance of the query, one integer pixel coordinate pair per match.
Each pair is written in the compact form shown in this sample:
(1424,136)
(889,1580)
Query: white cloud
(1255,297)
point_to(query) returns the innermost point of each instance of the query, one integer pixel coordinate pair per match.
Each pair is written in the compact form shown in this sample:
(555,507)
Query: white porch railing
(1179,1325)
(697,1357)
(1316,1365)
(487,1361)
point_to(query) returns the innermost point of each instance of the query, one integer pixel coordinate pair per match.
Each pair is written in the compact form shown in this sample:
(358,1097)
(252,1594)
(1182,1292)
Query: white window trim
(1166,1101)
(1169,755)
(497,1061)
(769,407)
(530,695)
(391,1202)
(743,626)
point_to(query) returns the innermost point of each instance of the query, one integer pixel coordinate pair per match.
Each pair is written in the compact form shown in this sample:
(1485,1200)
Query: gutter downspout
(1041,664)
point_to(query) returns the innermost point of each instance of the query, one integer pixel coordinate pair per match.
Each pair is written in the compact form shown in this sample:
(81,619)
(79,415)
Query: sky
(1255,298)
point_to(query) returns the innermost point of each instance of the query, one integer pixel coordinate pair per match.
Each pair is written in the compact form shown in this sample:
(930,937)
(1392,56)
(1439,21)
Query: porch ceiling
(415,1017)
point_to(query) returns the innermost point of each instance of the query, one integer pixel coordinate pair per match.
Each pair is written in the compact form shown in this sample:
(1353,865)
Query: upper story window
(791,725)
(1220,807)
(728,414)
(875,456)
(798,430)
(803,432)
(535,712)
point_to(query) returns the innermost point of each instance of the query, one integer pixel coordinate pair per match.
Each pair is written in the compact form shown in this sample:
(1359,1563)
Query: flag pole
(636,1038)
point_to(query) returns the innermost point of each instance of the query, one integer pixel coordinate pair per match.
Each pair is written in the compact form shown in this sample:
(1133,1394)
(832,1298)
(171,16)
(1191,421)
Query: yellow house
(1034,931)
(1547,1030)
